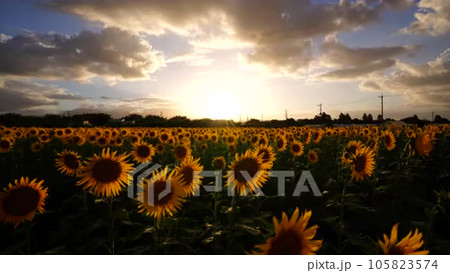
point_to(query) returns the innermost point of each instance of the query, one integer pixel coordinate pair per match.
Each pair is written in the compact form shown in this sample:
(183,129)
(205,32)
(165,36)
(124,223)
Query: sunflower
(164,137)
(59,132)
(350,151)
(291,237)
(407,246)
(181,152)
(189,175)
(159,148)
(317,136)
(37,147)
(143,152)
(247,172)
(363,164)
(297,148)
(313,158)
(389,140)
(219,163)
(45,138)
(69,163)
(105,174)
(21,200)
(268,155)
(423,143)
(158,206)
(281,143)
(102,141)
(6,143)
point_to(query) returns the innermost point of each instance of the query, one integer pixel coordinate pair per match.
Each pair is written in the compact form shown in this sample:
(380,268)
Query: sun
(222,105)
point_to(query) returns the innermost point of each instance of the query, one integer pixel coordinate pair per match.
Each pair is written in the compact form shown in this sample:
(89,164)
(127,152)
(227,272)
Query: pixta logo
(305,183)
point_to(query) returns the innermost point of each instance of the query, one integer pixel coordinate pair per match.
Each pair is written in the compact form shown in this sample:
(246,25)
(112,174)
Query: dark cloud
(358,71)
(19,96)
(279,32)
(120,108)
(432,18)
(352,63)
(398,4)
(112,54)
(424,84)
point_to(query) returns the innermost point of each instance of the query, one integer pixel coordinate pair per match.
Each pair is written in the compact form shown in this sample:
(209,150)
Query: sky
(225,59)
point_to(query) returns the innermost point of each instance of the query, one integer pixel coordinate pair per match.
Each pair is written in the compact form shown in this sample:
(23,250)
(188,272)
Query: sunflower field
(369,190)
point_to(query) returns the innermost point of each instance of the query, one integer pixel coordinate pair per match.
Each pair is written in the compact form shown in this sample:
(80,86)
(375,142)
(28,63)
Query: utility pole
(320,105)
(285,114)
(432,116)
(382,110)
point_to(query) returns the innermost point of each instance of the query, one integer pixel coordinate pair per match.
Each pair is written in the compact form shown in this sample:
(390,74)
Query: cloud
(398,4)
(278,32)
(120,107)
(432,18)
(353,63)
(112,54)
(194,58)
(23,97)
(423,84)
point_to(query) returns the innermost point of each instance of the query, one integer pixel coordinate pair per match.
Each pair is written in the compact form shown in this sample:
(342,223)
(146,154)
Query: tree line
(136,120)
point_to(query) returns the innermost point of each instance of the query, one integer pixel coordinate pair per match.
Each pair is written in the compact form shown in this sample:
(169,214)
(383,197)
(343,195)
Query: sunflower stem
(28,238)
(156,227)
(111,227)
(341,216)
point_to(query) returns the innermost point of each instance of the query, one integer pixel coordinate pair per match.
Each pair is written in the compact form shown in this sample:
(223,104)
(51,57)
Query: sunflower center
(143,151)
(102,140)
(158,188)
(295,148)
(245,167)
(106,171)
(396,251)
(187,173)
(360,163)
(280,143)
(5,144)
(288,242)
(180,151)
(387,140)
(71,161)
(21,201)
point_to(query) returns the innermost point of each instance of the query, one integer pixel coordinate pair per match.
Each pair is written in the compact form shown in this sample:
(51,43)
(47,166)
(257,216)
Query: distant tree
(179,121)
(324,118)
(98,119)
(344,119)
(439,119)
(367,118)
(379,118)
(133,118)
(154,121)
(10,119)
(54,121)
